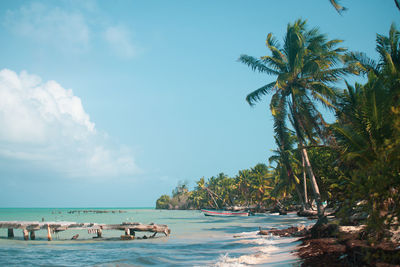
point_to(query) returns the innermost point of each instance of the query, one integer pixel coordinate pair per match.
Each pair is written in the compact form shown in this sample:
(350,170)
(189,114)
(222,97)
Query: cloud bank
(46,125)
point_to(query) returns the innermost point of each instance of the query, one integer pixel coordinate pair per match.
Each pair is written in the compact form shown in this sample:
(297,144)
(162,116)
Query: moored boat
(224,213)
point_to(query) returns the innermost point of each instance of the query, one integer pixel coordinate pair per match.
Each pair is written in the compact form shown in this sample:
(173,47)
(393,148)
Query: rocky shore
(333,245)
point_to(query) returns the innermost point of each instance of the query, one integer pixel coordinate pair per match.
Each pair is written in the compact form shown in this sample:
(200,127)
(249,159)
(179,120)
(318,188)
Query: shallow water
(195,240)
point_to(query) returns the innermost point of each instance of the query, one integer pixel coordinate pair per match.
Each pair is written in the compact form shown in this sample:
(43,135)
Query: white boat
(224,213)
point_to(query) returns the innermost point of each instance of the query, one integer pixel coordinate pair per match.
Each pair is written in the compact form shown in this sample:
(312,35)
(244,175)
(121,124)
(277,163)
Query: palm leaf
(256,64)
(257,95)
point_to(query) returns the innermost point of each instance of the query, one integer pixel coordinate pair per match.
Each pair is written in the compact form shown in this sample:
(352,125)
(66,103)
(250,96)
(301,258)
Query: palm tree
(284,158)
(305,68)
(261,183)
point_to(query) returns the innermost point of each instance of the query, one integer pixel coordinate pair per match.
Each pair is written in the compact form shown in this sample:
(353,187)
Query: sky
(112,103)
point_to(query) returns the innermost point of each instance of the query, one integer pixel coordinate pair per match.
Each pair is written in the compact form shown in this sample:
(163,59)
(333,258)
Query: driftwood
(291,231)
(307,213)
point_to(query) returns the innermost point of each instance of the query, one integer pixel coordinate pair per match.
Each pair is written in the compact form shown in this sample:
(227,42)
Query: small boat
(224,213)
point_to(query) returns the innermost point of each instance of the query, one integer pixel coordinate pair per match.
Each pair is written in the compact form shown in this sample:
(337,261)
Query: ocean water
(195,240)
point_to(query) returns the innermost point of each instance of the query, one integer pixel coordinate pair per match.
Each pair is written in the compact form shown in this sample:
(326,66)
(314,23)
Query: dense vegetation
(250,187)
(353,163)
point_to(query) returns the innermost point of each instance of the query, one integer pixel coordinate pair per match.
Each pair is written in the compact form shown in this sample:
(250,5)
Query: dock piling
(49,233)
(99,233)
(10,233)
(32,235)
(26,234)
(127,231)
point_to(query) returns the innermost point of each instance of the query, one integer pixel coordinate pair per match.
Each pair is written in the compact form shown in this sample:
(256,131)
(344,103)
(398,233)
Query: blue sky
(111,103)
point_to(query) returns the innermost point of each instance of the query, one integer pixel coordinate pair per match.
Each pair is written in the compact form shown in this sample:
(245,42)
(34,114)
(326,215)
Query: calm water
(195,240)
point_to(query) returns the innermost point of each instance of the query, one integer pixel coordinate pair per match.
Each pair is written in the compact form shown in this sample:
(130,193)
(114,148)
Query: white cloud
(70,28)
(49,25)
(119,38)
(44,123)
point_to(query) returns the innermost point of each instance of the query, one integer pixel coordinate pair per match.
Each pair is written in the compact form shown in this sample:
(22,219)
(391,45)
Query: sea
(195,240)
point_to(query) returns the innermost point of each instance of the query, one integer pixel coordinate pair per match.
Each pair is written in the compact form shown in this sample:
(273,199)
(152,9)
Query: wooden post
(99,233)
(49,233)
(32,234)
(26,234)
(10,233)
(127,231)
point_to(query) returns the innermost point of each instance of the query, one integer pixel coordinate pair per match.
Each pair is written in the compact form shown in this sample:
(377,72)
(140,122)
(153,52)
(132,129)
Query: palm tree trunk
(304,181)
(299,125)
(314,185)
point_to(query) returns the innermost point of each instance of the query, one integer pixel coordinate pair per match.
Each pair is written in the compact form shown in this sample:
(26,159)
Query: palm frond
(338,7)
(256,64)
(257,95)
(361,62)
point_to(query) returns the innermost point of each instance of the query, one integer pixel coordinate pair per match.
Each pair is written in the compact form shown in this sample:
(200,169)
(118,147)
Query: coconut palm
(262,182)
(305,67)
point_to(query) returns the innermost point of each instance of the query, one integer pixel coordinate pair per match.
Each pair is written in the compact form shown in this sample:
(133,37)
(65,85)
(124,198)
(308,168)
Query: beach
(195,240)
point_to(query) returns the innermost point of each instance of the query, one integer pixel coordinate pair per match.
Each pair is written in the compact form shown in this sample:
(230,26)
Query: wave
(262,250)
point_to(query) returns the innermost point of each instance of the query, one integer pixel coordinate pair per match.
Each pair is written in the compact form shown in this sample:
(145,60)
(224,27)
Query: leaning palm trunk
(299,129)
(314,185)
(305,182)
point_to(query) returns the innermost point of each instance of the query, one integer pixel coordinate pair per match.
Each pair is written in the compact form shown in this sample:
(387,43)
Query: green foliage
(368,135)
(249,187)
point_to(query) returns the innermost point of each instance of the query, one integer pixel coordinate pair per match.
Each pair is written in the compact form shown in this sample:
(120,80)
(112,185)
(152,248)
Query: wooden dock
(29,227)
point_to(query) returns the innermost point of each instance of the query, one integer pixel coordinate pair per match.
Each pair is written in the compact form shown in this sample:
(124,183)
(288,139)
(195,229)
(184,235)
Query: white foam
(226,261)
(266,251)
(247,234)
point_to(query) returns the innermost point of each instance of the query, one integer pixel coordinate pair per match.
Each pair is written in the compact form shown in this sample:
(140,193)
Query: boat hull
(222,213)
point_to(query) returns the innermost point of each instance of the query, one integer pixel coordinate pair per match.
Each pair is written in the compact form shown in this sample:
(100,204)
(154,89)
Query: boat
(224,213)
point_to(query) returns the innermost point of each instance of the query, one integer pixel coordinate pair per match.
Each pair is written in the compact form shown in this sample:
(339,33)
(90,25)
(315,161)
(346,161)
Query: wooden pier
(29,227)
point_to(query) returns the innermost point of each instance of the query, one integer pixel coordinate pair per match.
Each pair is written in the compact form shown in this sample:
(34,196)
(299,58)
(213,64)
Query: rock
(282,212)
(127,237)
(291,231)
(324,230)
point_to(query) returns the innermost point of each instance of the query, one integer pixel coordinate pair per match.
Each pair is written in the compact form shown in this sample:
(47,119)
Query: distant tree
(163,202)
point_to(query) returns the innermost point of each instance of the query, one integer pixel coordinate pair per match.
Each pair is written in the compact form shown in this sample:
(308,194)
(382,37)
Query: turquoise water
(195,240)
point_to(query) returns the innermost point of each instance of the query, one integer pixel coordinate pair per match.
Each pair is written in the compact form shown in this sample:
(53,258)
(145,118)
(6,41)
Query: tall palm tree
(305,67)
